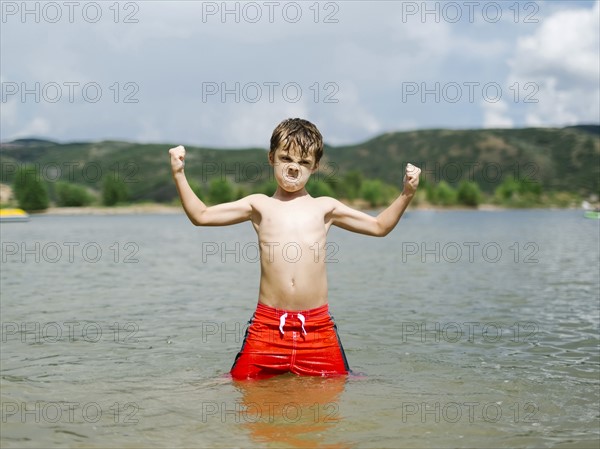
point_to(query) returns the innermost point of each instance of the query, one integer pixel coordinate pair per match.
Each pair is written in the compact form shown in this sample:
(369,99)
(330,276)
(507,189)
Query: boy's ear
(315,168)
(270,156)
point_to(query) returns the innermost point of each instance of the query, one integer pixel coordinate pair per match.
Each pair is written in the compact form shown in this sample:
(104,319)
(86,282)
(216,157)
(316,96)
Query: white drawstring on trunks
(282,322)
(301,318)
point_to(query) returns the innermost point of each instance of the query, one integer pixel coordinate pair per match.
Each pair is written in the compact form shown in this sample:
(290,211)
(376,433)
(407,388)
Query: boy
(291,329)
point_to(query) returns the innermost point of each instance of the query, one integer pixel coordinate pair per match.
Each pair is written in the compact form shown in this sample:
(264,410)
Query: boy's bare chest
(297,224)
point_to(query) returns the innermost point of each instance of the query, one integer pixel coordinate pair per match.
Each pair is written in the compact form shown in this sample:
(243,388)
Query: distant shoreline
(162,209)
(133,209)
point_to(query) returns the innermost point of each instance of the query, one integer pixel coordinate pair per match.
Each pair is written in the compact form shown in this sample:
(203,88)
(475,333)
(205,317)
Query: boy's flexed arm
(357,221)
(198,213)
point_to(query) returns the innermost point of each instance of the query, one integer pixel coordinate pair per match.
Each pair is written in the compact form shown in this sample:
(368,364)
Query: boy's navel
(293,282)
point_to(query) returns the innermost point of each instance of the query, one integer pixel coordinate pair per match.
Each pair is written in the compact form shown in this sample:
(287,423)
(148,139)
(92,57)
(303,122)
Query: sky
(224,74)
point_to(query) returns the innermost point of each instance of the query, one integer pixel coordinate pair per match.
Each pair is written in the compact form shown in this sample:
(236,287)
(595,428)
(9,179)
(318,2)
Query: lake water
(463,329)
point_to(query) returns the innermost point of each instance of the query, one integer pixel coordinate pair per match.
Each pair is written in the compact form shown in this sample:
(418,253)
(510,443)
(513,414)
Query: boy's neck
(283,195)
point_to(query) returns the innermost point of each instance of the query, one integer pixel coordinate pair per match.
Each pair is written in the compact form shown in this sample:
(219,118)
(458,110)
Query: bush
(419,198)
(442,194)
(72,195)
(530,187)
(333,182)
(564,199)
(468,193)
(267,188)
(351,184)
(220,191)
(390,193)
(197,189)
(240,193)
(114,191)
(522,193)
(372,190)
(431,194)
(507,189)
(319,188)
(31,193)
(446,194)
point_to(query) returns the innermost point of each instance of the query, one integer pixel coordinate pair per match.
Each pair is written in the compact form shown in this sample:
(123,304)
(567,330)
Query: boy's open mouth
(291,175)
(292,179)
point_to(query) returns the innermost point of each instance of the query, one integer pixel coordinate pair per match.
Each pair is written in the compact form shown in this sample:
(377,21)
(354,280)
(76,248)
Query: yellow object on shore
(13,215)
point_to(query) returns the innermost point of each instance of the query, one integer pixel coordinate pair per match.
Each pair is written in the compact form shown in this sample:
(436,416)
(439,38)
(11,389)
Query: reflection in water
(292,410)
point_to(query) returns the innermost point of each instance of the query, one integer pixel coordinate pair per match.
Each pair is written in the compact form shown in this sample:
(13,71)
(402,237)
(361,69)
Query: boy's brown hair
(300,134)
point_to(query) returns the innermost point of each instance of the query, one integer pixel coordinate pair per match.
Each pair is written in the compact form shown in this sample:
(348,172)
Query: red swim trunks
(303,342)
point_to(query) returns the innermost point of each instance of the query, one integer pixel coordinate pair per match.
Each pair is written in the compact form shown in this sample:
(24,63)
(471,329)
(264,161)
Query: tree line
(32,193)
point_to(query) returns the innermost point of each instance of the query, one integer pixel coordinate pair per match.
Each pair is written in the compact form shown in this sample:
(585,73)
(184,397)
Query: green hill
(566,159)
(559,159)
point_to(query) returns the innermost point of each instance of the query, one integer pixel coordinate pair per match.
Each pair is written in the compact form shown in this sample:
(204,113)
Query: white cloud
(148,130)
(369,53)
(8,117)
(349,116)
(495,115)
(563,106)
(562,58)
(253,124)
(37,127)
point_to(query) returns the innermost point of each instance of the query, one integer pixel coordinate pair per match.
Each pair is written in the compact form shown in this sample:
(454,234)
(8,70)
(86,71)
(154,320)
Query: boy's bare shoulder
(256,199)
(328,201)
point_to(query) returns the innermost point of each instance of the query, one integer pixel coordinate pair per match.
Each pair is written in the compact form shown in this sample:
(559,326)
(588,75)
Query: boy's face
(292,171)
